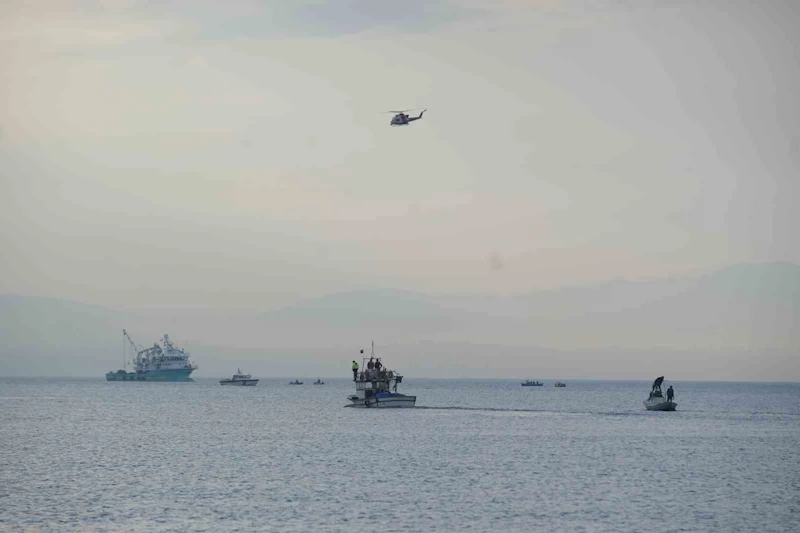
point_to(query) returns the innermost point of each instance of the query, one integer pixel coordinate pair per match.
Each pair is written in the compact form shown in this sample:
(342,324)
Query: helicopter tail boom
(417,117)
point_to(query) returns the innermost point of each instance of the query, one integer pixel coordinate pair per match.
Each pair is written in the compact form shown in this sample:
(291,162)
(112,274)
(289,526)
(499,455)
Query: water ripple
(475,456)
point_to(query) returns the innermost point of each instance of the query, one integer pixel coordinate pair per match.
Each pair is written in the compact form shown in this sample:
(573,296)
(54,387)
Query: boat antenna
(123,350)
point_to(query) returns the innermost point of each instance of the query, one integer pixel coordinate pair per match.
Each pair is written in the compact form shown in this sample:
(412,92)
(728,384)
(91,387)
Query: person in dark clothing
(370,365)
(670,394)
(378,365)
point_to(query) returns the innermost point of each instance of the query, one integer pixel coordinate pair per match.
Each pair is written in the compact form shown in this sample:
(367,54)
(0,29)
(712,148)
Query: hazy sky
(204,154)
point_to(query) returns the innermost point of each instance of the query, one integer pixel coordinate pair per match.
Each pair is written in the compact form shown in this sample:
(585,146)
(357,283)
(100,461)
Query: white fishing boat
(239,379)
(656,400)
(376,386)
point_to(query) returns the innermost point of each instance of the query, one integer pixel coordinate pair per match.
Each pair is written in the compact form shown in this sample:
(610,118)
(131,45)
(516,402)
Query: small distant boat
(295,382)
(319,382)
(559,384)
(656,400)
(529,383)
(242,380)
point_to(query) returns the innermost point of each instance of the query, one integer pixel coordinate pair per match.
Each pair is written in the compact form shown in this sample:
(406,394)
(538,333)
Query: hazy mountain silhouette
(739,321)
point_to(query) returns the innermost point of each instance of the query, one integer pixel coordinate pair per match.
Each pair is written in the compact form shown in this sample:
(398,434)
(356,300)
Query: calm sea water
(89,455)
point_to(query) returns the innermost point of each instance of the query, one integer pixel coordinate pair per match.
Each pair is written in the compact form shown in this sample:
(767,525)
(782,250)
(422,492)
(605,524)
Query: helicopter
(401,119)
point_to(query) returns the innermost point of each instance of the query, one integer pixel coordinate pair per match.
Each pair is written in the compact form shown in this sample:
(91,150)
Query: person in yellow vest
(355,371)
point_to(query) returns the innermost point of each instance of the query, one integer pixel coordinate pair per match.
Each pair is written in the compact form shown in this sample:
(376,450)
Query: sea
(474,455)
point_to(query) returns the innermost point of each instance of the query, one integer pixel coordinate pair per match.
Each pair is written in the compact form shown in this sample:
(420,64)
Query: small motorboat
(656,400)
(529,383)
(559,384)
(239,379)
(319,382)
(295,382)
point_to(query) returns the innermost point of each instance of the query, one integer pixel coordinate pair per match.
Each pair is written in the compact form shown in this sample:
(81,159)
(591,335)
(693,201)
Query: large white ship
(162,362)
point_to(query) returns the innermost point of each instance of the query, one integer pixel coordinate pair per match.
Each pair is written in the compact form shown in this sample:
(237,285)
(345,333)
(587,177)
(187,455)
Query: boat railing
(373,385)
(380,375)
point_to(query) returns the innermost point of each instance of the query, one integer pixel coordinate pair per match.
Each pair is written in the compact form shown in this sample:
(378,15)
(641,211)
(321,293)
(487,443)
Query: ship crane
(142,355)
(136,349)
(133,344)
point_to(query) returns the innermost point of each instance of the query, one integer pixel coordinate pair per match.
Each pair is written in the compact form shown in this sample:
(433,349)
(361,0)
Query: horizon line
(348,379)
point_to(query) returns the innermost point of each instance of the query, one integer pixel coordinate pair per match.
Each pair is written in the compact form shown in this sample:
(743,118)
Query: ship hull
(239,382)
(393,401)
(659,405)
(178,375)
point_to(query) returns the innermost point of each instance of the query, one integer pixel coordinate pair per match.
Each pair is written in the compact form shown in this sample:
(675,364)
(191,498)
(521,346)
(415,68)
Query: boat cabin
(239,375)
(375,378)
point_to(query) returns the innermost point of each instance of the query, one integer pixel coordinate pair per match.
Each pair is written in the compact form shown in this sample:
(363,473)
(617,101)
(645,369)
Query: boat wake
(488,409)
(479,409)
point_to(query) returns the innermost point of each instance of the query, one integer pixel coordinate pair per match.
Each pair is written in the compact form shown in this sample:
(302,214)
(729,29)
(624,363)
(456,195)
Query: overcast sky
(237,154)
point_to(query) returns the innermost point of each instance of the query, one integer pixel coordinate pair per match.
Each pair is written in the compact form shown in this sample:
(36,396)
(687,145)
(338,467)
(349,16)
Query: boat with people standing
(376,386)
(656,400)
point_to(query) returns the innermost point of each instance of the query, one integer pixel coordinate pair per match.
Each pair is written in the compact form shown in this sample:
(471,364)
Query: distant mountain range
(740,322)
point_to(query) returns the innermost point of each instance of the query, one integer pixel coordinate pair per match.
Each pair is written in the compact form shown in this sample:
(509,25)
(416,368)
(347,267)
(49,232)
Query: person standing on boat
(355,371)
(670,394)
